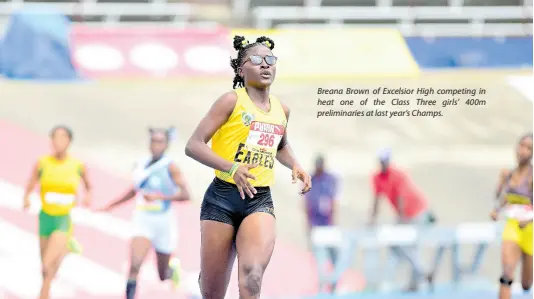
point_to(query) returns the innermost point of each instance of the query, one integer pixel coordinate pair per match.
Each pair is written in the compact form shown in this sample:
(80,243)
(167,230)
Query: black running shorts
(222,202)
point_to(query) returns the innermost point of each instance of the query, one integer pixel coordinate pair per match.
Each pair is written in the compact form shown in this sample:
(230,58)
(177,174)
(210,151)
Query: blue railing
(371,240)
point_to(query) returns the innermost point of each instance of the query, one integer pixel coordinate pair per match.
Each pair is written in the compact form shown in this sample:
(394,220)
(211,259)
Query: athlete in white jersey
(157,183)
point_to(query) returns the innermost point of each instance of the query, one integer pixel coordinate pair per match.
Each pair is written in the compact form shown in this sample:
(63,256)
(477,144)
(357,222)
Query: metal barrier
(370,240)
(410,21)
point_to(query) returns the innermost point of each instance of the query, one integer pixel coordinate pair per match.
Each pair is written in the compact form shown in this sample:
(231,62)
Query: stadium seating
(411,17)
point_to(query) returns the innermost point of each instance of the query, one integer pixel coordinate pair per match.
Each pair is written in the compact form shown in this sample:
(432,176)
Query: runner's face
(319,165)
(524,150)
(261,75)
(60,141)
(158,143)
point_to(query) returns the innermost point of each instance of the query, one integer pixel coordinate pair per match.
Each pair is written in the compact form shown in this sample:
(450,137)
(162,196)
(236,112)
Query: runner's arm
(86,182)
(126,197)
(500,200)
(197,146)
(183,194)
(32,182)
(285,154)
(400,199)
(333,190)
(376,201)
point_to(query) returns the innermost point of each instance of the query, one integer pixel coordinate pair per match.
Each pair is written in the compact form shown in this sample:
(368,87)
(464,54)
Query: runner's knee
(165,273)
(47,273)
(526,285)
(252,278)
(135,267)
(215,290)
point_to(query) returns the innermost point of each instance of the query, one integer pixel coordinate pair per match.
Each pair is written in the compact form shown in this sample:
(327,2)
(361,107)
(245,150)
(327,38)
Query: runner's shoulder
(504,174)
(285,108)
(225,104)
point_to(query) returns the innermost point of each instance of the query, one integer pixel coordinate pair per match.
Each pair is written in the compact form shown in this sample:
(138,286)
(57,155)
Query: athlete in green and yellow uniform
(59,176)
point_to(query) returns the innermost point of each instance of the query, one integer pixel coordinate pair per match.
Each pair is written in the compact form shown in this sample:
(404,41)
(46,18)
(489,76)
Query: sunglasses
(257,59)
(155,140)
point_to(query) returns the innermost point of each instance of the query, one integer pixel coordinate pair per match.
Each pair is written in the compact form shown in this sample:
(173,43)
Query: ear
(240,72)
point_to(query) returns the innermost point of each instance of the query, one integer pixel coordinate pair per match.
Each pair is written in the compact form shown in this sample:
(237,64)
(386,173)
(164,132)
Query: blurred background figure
(410,206)
(514,202)
(321,204)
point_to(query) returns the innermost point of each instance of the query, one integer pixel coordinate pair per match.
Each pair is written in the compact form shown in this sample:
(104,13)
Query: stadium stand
(411,17)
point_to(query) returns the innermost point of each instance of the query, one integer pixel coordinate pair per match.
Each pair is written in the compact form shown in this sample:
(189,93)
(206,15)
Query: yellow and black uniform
(249,136)
(522,196)
(59,180)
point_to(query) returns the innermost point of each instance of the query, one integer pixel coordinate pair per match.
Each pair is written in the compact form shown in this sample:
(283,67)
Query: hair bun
(239,42)
(269,43)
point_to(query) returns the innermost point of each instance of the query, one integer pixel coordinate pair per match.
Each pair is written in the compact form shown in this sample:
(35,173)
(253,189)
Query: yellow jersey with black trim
(59,180)
(251,135)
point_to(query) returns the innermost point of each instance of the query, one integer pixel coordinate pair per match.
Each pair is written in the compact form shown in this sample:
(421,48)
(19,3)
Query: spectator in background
(411,208)
(321,203)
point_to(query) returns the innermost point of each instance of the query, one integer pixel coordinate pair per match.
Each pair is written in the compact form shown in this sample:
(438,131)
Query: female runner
(514,193)
(59,175)
(247,127)
(158,182)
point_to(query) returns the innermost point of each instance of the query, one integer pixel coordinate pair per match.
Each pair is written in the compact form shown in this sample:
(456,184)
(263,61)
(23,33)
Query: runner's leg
(55,250)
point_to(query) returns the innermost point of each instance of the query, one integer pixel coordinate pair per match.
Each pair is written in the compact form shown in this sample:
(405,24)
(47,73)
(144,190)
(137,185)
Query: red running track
(99,273)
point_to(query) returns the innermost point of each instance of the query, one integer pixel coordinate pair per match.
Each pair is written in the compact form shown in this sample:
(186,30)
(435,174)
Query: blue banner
(469,52)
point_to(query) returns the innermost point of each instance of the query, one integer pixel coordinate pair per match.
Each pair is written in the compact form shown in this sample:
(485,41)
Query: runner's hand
(151,196)
(87,201)
(241,177)
(524,223)
(27,204)
(104,209)
(299,174)
(494,215)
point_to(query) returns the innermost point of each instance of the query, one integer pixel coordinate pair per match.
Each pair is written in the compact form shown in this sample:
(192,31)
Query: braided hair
(525,136)
(241,45)
(64,128)
(170,133)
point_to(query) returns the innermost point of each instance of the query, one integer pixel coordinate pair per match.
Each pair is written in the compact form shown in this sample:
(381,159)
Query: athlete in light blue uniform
(157,183)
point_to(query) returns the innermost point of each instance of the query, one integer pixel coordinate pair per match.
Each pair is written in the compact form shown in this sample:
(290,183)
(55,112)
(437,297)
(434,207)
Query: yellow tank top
(59,181)
(251,135)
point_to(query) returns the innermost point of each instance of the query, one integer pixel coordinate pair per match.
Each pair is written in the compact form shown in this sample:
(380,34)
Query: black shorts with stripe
(222,202)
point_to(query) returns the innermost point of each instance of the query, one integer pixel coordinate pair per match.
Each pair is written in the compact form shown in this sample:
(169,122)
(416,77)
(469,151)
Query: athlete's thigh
(510,255)
(139,248)
(43,243)
(56,247)
(526,239)
(217,255)
(255,244)
(165,236)
(526,247)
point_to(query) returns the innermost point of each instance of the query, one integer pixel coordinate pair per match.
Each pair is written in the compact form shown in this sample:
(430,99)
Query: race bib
(518,212)
(59,198)
(142,204)
(264,137)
